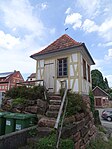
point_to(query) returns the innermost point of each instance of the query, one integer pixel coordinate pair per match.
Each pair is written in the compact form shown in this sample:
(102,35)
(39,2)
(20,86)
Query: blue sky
(27,26)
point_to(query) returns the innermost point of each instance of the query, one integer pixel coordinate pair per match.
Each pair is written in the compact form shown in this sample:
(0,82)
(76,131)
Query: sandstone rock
(79,116)
(54,107)
(70,119)
(31,102)
(42,104)
(47,122)
(77,145)
(84,131)
(35,110)
(76,137)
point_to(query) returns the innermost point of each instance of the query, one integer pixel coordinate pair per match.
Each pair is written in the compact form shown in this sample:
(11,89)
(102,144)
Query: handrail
(59,115)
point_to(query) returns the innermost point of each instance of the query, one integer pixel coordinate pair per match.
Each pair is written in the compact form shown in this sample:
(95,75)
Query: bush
(75,104)
(47,142)
(18,101)
(50,143)
(67,144)
(27,93)
(100,144)
(91,101)
(96,117)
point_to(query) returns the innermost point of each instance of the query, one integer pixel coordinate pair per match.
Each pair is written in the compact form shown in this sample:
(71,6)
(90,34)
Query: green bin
(10,123)
(33,119)
(2,122)
(22,121)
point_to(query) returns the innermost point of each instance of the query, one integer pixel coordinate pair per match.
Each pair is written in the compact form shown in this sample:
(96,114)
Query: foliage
(18,101)
(91,97)
(102,129)
(66,144)
(25,92)
(75,104)
(106,83)
(62,90)
(100,144)
(97,80)
(96,117)
(50,143)
(33,132)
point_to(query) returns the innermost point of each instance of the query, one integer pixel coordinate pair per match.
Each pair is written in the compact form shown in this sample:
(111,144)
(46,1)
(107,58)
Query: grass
(100,144)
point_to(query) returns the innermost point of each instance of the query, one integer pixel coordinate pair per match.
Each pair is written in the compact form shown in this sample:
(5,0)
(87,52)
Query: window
(62,67)
(84,69)
(88,73)
(2,87)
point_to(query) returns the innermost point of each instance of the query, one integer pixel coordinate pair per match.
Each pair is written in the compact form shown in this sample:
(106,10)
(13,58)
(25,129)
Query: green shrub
(96,117)
(18,101)
(66,144)
(91,97)
(100,144)
(102,129)
(27,93)
(75,104)
(47,142)
(50,143)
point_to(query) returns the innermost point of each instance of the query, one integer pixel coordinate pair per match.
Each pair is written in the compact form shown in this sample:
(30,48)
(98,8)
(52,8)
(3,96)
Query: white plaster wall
(76,86)
(41,63)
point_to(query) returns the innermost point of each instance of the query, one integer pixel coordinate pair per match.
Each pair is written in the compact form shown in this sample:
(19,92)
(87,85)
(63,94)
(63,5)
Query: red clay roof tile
(63,42)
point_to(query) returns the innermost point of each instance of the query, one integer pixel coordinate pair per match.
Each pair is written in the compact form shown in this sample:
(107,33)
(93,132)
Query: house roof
(33,75)
(5,74)
(63,42)
(97,91)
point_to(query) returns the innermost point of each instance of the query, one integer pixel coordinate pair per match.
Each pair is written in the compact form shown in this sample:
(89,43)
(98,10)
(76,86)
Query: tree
(97,79)
(106,83)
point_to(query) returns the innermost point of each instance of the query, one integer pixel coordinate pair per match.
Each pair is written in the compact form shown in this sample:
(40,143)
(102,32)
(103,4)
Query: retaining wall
(16,139)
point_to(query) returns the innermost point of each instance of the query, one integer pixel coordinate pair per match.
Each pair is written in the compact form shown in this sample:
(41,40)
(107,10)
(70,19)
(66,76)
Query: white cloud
(8,41)
(89,26)
(91,8)
(19,14)
(44,6)
(98,64)
(74,19)
(109,55)
(105,29)
(109,78)
(68,11)
(27,32)
(108,44)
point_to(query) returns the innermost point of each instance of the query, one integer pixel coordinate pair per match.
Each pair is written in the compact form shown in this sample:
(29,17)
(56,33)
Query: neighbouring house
(65,59)
(32,77)
(101,98)
(9,80)
(31,80)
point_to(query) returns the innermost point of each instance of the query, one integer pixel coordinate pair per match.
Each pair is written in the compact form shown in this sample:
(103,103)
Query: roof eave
(83,44)
(51,52)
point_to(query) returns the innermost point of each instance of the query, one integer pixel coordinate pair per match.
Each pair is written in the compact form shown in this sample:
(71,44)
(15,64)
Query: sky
(28,26)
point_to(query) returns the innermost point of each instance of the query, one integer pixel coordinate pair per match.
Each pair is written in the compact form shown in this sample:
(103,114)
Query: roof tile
(63,42)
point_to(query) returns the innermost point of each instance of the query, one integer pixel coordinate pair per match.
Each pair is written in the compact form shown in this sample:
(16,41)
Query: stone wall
(38,106)
(80,128)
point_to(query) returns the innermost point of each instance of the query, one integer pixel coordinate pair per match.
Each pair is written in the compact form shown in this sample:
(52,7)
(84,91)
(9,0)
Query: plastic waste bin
(10,123)
(22,121)
(33,119)
(2,122)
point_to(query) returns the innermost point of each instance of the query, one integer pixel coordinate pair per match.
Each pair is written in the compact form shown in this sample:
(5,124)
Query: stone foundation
(80,128)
